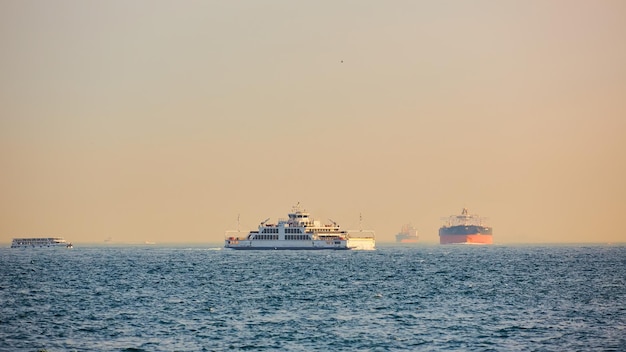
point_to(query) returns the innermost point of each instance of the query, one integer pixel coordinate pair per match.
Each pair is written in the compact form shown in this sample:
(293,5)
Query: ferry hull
(248,248)
(346,244)
(468,239)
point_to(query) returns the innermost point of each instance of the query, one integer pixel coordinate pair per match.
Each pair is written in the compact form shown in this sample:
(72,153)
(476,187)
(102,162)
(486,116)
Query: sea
(395,298)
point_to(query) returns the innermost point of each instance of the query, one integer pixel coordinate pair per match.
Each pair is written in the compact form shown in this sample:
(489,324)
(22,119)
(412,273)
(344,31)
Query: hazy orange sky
(163,120)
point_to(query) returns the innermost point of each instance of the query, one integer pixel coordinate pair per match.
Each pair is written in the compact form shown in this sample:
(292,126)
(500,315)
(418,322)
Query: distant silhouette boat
(40,242)
(408,234)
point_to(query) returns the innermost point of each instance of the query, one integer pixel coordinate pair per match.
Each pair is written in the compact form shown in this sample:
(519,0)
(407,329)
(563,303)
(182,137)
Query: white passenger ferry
(40,242)
(300,231)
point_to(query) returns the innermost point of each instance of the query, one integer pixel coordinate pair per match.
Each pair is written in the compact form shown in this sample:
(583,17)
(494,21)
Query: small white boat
(40,242)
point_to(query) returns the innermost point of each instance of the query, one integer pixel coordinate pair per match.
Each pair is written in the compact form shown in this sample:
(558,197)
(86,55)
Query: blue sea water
(420,298)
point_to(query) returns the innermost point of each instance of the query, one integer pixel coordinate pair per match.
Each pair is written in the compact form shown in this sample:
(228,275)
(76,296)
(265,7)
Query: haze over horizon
(163,121)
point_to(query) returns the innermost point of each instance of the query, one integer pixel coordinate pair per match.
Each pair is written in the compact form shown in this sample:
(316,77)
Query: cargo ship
(408,234)
(465,228)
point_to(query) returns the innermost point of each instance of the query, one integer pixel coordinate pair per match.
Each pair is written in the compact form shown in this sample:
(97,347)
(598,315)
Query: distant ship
(465,228)
(300,231)
(408,234)
(40,242)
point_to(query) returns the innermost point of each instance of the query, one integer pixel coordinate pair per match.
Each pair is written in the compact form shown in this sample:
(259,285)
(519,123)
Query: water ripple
(394,299)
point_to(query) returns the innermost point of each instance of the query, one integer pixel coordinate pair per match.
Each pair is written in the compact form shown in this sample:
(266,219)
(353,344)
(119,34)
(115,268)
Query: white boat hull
(283,244)
(40,242)
(362,243)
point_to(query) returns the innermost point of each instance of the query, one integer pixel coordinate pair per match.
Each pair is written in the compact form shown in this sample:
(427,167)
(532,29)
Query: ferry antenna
(360,222)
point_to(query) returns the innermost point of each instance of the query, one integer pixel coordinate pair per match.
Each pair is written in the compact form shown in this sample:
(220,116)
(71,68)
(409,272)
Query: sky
(165,121)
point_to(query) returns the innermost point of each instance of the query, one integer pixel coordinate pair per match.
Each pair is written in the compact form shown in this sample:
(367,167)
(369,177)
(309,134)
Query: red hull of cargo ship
(470,239)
